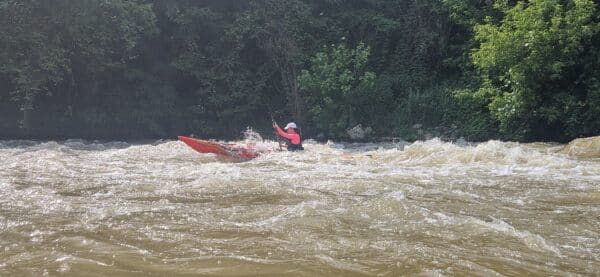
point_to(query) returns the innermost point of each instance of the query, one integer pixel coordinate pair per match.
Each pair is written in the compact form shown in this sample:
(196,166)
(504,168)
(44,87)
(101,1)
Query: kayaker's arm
(284,134)
(279,131)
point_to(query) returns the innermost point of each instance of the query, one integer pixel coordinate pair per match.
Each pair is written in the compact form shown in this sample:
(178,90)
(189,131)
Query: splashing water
(426,208)
(252,136)
(255,141)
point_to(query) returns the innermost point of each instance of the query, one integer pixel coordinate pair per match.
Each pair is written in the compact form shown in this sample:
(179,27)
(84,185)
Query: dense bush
(525,70)
(539,69)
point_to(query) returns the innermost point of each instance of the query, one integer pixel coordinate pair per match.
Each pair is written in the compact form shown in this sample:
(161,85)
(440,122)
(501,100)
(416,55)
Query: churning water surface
(429,208)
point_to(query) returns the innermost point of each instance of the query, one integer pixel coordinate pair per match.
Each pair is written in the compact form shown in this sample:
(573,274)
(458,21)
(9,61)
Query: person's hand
(275,125)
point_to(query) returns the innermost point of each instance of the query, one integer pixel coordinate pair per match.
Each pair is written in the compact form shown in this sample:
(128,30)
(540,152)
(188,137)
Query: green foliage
(428,107)
(31,59)
(472,119)
(531,64)
(240,61)
(145,68)
(55,47)
(337,84)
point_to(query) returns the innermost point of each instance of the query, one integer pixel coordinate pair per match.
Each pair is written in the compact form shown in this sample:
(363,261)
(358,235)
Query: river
(427,208)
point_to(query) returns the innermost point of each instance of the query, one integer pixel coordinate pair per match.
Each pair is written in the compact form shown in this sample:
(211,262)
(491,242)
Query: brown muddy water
(432,208)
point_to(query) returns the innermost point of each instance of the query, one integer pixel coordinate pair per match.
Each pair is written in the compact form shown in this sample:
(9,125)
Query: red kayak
(224,150)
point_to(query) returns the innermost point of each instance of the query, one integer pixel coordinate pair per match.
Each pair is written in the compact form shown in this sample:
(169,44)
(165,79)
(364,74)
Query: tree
(338,84)
(63,48)
(32,60)
(534,66)
(279,28)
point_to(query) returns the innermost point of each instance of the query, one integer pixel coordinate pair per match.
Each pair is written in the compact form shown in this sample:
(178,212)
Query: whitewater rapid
(427,208)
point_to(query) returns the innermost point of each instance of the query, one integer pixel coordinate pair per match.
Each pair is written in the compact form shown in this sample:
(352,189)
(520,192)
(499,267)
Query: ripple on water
(430,208)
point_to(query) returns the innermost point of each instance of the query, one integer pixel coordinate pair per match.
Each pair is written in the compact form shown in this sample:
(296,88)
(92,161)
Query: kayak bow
(230,151)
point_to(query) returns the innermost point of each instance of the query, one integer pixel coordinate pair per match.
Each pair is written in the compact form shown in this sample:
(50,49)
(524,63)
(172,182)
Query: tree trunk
(27,108)
(297,98)
(26,119)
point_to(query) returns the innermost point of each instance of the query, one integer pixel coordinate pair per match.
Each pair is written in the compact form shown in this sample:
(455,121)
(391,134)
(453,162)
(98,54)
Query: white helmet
(290,125)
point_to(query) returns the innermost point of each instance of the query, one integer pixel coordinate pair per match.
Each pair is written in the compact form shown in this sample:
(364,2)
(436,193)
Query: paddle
(277,137)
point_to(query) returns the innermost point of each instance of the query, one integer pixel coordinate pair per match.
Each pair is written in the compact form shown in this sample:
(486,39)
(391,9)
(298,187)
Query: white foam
(166,195)
(533,241)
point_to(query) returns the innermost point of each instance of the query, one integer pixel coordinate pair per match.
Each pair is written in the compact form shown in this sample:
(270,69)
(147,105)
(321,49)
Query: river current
(427,208)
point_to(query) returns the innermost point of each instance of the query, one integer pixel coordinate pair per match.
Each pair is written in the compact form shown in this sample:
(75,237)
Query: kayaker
(291,134)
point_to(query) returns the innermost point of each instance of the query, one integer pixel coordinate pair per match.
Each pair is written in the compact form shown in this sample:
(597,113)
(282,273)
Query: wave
(586,148)
(507,156)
